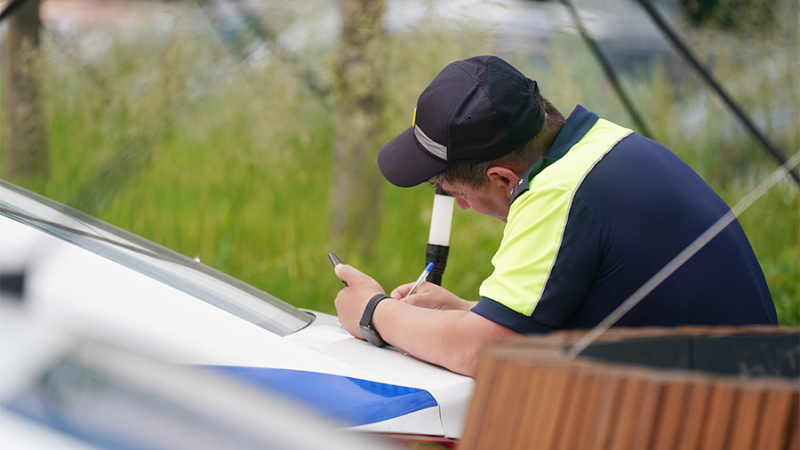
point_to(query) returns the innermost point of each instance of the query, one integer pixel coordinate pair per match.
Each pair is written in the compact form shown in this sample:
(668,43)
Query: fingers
(347,273)
(351,300)
(358,283)
(423,300)
(401,291)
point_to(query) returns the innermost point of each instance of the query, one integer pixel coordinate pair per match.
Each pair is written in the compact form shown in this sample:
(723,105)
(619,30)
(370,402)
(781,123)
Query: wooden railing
(529,395)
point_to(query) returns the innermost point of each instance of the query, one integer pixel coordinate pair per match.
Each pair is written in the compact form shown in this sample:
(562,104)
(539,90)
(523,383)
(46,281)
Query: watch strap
(366,318)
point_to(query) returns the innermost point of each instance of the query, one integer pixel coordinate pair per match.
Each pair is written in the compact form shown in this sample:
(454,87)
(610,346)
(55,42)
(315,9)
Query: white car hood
(82,292)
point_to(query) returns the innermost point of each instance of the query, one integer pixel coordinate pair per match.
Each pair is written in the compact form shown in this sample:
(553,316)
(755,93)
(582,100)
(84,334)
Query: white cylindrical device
(439,238)
(441,220)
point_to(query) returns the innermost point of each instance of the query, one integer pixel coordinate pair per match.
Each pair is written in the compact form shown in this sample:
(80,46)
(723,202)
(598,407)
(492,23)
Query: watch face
(371,336)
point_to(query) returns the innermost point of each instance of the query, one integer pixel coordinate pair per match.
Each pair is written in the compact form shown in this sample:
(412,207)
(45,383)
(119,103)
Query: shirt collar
(579,122)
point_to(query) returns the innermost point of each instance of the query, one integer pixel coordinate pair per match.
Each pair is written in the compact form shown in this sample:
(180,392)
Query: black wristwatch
(365,325)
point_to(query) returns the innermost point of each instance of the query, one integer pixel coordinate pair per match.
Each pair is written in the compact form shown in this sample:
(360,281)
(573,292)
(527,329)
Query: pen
(421,278)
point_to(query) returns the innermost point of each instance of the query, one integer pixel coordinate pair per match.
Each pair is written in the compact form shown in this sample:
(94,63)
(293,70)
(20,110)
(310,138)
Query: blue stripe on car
(351,401)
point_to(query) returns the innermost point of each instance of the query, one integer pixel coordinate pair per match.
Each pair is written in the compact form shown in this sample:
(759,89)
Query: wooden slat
(534,410)
(672,417)
(772,426)
(531,411)
(557,398)
(722,403)
(586,431)
(576,411)
(696,415)
(651,402)
(481,398)
(498,415)
(523,394)
(793,424)
(629,414)
(610,410)
(748,412)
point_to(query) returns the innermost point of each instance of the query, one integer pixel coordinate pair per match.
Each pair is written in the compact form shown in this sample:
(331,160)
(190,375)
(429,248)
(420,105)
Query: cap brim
(405,164)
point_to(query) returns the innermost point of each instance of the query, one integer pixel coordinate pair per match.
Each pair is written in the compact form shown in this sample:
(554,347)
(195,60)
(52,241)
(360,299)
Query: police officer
(592,212)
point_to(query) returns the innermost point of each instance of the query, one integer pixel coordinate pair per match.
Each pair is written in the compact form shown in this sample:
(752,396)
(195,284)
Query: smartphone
(335,261)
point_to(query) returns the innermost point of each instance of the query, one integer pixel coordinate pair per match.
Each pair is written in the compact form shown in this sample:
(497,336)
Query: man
(592,212)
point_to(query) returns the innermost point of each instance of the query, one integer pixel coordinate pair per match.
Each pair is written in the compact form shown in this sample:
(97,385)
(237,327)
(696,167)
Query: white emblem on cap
(432,146)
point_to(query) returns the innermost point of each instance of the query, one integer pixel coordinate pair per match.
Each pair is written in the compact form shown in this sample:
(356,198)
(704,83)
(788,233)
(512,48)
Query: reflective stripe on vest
(540,215)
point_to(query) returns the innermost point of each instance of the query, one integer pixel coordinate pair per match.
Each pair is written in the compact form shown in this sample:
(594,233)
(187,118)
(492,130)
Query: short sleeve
(545,265)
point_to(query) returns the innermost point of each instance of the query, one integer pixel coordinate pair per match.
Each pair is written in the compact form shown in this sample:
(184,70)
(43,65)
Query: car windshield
(150,259)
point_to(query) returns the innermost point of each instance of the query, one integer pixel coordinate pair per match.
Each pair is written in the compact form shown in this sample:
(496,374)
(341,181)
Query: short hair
(474,175)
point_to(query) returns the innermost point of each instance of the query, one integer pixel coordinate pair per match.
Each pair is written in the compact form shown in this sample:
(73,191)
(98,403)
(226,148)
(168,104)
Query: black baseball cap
(475,110)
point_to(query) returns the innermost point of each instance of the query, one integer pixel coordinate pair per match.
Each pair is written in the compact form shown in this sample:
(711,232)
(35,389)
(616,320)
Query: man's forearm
(449,338)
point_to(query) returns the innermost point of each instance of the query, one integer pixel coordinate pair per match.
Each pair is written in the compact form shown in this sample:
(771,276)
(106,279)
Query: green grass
(238,158)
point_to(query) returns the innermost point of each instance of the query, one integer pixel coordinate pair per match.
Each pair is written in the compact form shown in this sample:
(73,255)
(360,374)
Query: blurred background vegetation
(241,138)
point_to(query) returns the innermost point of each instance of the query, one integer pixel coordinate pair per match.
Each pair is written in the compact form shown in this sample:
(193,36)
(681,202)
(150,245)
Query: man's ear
(503,177)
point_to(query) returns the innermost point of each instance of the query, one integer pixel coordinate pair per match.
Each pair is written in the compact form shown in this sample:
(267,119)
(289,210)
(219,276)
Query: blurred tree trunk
(24,127)
(359,102)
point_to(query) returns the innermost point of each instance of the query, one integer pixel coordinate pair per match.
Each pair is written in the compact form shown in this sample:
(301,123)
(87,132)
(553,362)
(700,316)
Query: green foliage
(737,15)
(240,154)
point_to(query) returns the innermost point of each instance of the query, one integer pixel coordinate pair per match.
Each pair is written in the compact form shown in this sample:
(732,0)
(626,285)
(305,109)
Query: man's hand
(433,325)
(431,296)
(352,300)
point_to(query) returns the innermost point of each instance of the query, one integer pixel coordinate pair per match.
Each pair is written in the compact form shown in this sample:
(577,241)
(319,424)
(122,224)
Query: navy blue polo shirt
(596,218)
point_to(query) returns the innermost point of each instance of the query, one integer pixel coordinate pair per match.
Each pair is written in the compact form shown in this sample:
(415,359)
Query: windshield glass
(150,259)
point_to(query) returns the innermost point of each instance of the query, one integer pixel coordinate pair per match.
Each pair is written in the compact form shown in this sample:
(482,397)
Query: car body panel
(81,291)
(66,391)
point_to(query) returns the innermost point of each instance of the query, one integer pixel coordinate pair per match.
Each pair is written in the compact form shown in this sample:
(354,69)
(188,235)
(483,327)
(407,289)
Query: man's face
(490,200)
